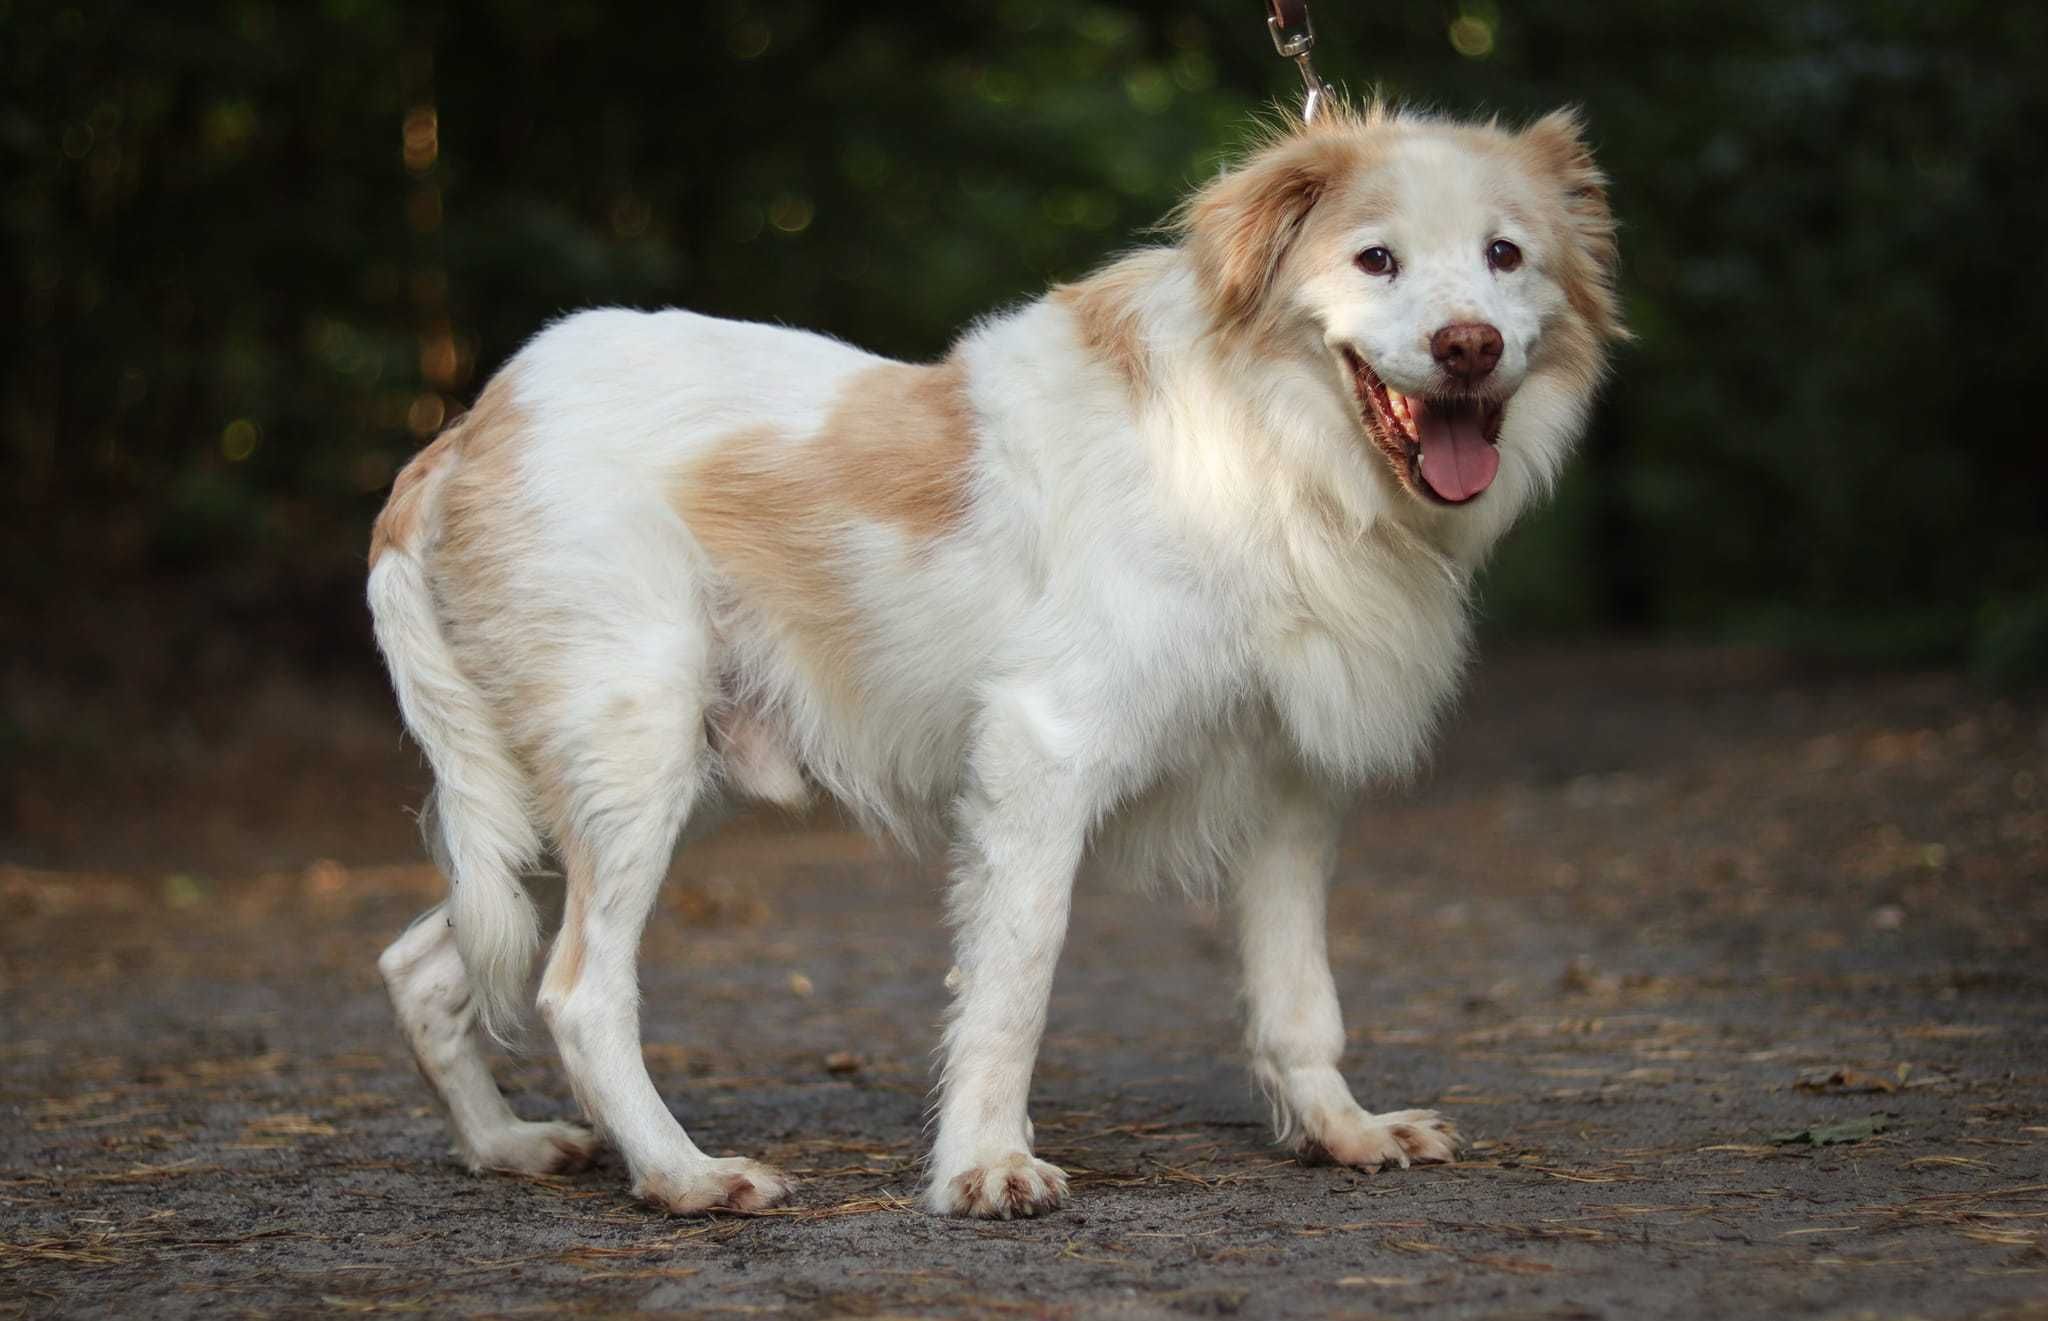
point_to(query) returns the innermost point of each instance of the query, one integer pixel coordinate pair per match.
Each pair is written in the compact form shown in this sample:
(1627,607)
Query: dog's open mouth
(1443,447)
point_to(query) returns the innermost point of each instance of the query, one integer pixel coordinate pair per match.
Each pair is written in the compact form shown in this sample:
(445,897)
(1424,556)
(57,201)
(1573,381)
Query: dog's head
(1455,283)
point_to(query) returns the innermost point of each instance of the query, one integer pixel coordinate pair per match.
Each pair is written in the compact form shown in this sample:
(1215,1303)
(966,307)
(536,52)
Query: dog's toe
(1374,1142)
(530,1148)
(1009,1188)
(754,1188)
(731,1184)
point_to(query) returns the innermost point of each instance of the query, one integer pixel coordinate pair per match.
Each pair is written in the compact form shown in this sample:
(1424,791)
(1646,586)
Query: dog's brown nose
(1467,350)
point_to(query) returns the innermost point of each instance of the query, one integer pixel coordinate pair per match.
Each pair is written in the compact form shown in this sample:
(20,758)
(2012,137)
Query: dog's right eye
(1376,261)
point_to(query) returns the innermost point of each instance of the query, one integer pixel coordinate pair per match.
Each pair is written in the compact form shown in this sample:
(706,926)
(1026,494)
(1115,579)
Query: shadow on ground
(1732,976)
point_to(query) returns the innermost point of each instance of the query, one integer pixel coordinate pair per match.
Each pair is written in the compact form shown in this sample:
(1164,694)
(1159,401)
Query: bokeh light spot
(425,414)
(750,39)
(1149,89)
(422,136)
(791,214)
(438,358)
(239,439)
(1472,37)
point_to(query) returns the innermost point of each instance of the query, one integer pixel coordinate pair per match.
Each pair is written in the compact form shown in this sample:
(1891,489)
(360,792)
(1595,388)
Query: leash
(1294,37)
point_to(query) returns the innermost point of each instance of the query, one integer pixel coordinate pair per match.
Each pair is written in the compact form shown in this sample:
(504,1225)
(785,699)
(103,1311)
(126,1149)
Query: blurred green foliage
(254,251)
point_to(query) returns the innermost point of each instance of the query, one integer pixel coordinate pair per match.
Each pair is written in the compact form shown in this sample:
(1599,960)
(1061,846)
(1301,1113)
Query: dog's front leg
(1020,843)
(1295,1030)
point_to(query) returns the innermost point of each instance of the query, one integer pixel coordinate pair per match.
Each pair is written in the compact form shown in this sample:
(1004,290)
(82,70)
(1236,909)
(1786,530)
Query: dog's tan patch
(398,523)
(1238,229)
(900,440)
(474,534)
(486,443)
(772,509)
(1106,313)
(1553,151)
(766,514)
(565,962)
(482,523)
(507,640)
(1574,209)
(481,429)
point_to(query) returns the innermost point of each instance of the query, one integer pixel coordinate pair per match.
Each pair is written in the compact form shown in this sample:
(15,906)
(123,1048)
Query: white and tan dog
(1153,573)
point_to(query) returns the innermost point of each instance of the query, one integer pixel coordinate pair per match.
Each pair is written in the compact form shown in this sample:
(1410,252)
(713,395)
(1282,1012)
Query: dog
(1152,575)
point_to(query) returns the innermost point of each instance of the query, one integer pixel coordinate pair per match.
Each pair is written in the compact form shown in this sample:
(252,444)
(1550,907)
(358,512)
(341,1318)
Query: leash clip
(1294,37)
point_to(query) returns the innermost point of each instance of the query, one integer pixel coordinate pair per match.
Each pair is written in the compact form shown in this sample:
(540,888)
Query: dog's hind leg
(430,992)
(1295,1029)
(630,772)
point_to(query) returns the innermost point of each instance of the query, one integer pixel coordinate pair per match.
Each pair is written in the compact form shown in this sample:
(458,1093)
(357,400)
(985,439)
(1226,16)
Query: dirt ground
(1732,975)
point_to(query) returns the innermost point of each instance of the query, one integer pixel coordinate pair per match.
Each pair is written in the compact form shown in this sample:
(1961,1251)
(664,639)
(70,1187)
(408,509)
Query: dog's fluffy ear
(1555,149)
(1239,227)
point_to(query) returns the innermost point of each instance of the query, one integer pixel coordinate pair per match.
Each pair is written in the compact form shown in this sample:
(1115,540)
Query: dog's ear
(1555,149)
(1239,227)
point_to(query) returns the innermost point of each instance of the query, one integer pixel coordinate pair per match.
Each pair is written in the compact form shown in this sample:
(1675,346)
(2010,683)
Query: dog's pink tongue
(1457,461)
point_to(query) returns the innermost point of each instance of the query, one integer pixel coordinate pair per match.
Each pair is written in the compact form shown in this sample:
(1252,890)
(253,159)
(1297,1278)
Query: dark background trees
(255,251)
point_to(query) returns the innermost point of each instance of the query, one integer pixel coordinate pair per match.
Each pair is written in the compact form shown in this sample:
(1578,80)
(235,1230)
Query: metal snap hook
(1294,36)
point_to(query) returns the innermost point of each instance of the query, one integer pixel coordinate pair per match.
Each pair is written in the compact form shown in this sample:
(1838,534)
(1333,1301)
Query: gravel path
(1732,976)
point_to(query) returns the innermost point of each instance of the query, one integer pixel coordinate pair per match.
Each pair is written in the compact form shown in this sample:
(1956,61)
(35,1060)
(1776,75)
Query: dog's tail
(482,799)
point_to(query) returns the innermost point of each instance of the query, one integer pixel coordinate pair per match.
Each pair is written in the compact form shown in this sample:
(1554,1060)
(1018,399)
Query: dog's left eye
(1376,261)
(1502,255)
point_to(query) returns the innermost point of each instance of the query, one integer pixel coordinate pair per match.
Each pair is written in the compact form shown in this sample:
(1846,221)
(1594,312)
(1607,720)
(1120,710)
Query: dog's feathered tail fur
(482,800)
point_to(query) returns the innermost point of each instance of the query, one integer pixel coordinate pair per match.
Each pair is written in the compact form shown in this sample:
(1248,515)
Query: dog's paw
(1373,1142)
(731,1184)
(525,1148)
(1006,1188)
